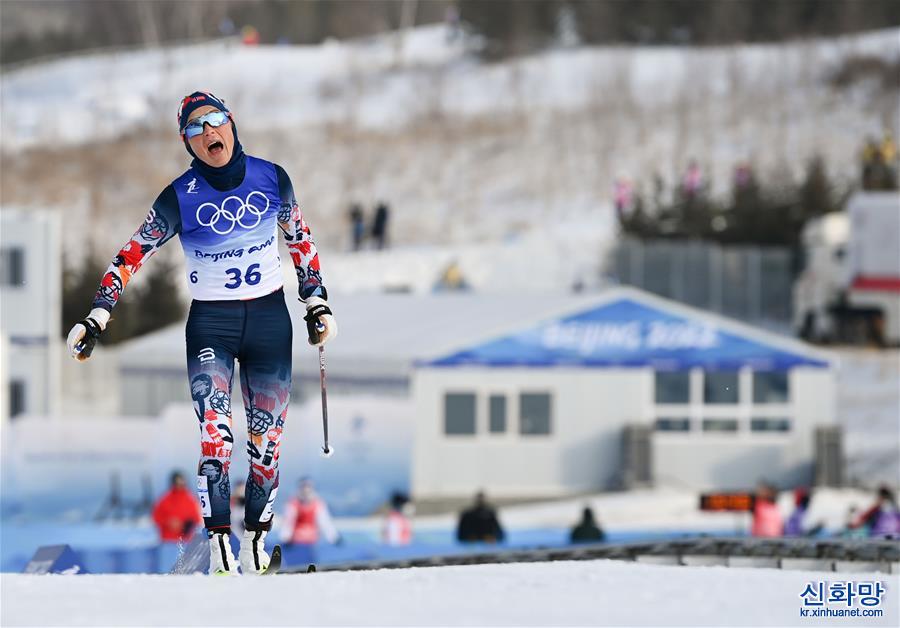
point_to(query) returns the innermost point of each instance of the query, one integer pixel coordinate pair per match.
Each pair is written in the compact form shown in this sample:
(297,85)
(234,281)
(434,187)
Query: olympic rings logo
(223,219)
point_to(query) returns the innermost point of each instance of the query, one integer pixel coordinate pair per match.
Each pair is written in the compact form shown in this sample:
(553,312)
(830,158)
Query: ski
(274,562)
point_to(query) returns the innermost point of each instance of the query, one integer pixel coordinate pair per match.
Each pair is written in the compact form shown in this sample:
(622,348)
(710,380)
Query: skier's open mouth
(215,148)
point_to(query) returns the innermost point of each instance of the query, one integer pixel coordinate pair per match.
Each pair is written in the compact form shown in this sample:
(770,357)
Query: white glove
(83,335)
(320,323)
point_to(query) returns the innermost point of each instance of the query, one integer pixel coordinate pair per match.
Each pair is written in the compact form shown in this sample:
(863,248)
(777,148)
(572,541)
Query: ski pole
(327,451)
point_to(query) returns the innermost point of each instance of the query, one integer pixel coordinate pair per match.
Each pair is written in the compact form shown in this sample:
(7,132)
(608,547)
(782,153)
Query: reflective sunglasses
(213,118)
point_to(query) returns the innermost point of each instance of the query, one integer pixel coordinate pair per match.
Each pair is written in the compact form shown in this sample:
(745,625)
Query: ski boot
(221,560)
(254,559)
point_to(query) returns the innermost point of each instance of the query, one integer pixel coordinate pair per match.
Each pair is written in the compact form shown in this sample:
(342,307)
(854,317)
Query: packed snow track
(531,594)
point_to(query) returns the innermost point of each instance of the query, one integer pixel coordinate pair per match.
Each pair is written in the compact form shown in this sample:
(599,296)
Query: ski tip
(274,562)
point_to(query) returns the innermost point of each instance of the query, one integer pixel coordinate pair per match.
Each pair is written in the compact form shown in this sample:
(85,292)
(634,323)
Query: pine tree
(158,303)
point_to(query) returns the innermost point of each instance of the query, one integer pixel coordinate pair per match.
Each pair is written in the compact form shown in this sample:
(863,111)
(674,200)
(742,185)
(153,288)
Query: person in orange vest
(397,526)
(305,516)
(249,36)
(177,513)
(767,519)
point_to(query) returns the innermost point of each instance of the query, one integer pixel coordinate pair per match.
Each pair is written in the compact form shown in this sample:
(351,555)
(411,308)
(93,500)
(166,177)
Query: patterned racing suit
(238,312)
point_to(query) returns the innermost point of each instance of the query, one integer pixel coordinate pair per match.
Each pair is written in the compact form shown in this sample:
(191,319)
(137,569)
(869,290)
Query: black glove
(83,347)
(320,324)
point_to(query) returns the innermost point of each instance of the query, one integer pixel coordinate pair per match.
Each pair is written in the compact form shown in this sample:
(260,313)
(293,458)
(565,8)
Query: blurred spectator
(380,225)
(849,531)
(888,148)
(452,279)
(451,21)
(397,526)
(587,531)
(305,516)
(622,195)
(479,523)
(357,226)
(883,517)
(238,502)
(226,27)
(692,181)
(177,513)
(870,155)
(889,160)
(879,163)
(795,525)
(767,519)
(743,175)
(249,36)
(745,191)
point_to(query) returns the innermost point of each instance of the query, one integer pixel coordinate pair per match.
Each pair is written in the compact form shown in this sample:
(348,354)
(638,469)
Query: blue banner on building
(629,333)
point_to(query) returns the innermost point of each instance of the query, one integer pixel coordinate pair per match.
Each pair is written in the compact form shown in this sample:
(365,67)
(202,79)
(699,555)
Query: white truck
(849,289)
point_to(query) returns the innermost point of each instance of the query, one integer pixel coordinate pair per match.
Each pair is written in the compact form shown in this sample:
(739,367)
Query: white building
(542,409)
(30,304)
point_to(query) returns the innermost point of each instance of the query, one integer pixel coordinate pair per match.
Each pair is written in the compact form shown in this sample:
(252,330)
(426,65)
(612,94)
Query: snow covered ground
(589,593)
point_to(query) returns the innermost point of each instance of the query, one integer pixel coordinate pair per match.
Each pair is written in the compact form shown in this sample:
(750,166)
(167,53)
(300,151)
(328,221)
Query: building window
(534,413)
(720,425)
(16,398)
(673,387)
(666,424)
(720,387)
(497,412)
(770,387)
(770,425)
(459,413)
(12,266)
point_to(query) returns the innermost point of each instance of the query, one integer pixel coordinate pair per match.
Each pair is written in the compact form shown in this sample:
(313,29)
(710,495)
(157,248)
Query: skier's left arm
(320,323)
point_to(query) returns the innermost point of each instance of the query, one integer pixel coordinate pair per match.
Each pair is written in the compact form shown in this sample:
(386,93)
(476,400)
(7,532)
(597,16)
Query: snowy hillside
(464,151)
(595,593)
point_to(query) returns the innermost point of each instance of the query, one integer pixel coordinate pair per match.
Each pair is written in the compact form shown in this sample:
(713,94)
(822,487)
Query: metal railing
(750,283)
(840,555)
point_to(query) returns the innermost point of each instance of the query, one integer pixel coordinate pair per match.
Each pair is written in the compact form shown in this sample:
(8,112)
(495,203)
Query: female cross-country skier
(225,209)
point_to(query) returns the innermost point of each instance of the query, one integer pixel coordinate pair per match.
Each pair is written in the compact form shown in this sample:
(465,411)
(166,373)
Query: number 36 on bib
(251,276)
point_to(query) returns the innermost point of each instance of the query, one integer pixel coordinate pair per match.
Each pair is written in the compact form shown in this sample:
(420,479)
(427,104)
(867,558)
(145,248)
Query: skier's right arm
(162,223)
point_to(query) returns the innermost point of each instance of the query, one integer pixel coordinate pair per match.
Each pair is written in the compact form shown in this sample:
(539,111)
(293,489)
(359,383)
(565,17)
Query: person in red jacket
(767,519)
(397,528)
(177,513)
(305,517)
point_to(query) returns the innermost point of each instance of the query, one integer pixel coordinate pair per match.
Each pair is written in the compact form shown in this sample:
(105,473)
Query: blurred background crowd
(551,173)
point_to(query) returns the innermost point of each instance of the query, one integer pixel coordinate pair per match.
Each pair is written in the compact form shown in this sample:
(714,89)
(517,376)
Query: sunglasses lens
(213,118)
(193,129)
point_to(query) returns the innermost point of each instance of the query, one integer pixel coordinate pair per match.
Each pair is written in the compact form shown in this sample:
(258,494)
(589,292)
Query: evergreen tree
(817,193)
(158,303)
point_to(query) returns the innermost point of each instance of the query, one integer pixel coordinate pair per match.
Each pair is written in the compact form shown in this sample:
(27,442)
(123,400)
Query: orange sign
(736,502)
